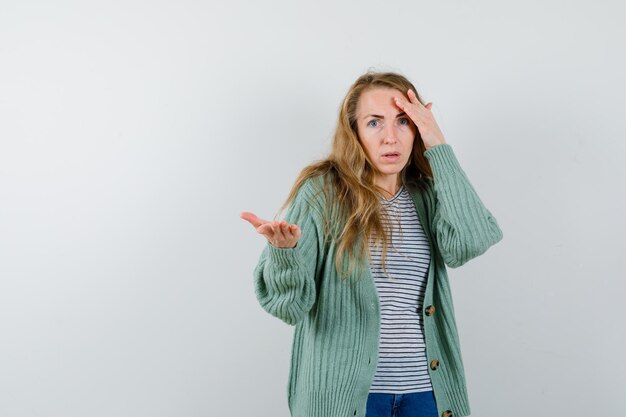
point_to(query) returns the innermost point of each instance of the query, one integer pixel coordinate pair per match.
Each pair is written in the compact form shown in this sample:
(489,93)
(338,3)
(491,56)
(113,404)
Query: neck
(390,185)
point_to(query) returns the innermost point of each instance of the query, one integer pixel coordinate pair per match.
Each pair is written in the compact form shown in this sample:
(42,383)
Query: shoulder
(310,194)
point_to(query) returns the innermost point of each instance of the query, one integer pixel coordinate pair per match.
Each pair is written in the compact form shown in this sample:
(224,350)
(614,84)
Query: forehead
(378,99)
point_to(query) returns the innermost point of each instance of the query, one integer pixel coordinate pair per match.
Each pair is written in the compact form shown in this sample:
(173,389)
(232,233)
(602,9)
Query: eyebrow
(378,116)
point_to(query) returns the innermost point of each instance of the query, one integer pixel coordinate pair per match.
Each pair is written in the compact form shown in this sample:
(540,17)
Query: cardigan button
(430,310)
(434,364)
(446,413)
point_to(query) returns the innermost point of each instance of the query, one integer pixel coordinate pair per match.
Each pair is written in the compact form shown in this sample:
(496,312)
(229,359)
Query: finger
(409,110)
(293,229)
(272,236)
(399,102)
(405,105)
(252,219)
(413,97)
(266,230)
(429,105)
(297,232)
(290,230)
(279,230)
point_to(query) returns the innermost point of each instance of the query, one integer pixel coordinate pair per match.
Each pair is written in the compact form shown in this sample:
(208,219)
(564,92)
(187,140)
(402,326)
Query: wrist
(433,145)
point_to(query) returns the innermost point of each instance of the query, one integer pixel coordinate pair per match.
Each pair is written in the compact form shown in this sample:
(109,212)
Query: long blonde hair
(353,200)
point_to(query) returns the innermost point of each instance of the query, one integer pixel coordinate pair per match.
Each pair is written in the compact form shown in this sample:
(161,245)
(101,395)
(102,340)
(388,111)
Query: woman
(375,335)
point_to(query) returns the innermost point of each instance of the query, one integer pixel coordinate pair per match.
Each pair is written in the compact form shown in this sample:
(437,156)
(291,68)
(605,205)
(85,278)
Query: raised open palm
(279,233)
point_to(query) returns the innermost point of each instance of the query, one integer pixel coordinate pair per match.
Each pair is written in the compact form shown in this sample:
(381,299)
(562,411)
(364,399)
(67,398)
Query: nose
(390,134)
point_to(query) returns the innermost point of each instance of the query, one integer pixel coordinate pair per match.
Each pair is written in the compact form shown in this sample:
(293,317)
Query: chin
(391,172)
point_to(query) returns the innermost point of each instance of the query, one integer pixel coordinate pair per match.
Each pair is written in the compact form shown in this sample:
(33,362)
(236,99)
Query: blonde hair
(353,200)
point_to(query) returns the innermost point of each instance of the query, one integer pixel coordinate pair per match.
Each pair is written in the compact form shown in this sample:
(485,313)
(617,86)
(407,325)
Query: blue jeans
(413,404)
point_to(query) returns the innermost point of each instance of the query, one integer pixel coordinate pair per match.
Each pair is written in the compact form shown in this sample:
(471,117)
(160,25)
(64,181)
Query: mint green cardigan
(335,343)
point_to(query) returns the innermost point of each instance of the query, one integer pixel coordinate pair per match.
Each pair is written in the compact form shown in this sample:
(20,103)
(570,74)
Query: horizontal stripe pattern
(402,363)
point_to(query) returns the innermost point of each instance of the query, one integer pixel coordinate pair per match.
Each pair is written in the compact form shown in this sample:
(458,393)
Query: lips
(391,157)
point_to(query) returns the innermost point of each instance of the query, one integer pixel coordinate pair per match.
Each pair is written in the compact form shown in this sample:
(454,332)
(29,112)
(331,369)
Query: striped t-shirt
(402,365)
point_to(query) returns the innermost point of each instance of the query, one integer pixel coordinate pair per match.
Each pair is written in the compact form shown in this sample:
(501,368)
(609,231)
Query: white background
(132,134)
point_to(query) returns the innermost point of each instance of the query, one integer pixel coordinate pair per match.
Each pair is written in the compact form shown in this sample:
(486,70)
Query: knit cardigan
(337,321)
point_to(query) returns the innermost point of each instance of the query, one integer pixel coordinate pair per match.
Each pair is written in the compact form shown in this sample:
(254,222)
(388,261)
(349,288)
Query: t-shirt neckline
(394,197)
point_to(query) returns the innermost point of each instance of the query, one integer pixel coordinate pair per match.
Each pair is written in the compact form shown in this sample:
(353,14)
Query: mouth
(391,156)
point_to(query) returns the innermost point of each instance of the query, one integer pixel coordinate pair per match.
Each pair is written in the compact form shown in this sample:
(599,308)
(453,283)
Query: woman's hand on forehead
(423,118)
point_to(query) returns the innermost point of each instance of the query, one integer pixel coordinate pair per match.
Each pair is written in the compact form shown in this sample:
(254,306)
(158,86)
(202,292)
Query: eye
(372,121)
(405,120)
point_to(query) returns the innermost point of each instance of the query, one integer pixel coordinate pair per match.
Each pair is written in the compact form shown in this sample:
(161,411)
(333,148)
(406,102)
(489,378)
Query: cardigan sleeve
(284,278)
(463,227)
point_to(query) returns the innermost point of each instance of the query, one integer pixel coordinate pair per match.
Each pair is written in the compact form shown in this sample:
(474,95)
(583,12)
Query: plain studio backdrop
(134,133)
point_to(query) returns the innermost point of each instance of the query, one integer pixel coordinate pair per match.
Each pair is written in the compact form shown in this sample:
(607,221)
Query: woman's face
(383,129)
